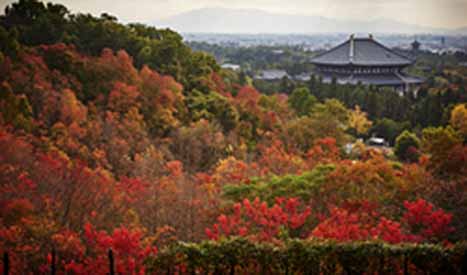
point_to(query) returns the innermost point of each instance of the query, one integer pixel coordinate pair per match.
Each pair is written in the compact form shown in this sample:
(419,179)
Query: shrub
(240,256)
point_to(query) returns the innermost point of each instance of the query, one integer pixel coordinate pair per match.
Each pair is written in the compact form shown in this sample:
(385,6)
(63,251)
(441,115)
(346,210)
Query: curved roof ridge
(332,49)
(366,52)
(391,50)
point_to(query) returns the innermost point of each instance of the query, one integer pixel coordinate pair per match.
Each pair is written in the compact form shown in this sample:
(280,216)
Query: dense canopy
(121,137)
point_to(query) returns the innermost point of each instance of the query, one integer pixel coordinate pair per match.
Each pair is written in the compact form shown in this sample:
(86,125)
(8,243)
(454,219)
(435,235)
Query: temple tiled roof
(363,52)
(389,79)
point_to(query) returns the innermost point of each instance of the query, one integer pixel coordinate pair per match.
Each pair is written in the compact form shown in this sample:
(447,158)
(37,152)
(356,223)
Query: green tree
(286,85)
(15,109)
(332,108)
(212,107)
(439,143)
(8,43)
(407,145)
(373,104)
(302,101)
(330,119)
(389,129)
(36,22)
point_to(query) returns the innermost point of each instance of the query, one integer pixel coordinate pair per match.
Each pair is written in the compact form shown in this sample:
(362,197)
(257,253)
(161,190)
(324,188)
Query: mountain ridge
(249,21)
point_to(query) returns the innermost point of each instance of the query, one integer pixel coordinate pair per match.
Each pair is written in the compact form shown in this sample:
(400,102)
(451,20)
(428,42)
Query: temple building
(365,61)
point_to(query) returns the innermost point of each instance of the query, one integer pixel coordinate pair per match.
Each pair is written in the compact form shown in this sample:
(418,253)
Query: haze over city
(188,15)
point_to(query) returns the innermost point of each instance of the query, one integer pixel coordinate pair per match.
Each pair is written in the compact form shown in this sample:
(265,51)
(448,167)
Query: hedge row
(240,256)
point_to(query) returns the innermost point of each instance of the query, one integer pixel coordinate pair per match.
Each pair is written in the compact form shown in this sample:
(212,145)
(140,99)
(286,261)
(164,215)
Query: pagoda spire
(351,48)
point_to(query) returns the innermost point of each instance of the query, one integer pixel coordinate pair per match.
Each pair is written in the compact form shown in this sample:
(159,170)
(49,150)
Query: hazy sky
(431,13)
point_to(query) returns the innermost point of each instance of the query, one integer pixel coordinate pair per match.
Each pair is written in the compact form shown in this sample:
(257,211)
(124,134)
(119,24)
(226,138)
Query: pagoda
(415,45)
(365,61)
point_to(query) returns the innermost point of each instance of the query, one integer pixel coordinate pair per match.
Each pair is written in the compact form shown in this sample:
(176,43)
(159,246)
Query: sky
(429,13)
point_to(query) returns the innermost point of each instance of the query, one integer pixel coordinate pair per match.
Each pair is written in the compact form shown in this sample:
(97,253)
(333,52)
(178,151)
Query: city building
(272,75)
(230,66)
(365,61)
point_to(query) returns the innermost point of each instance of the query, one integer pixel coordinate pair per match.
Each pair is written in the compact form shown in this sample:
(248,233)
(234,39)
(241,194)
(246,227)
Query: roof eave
(363,64)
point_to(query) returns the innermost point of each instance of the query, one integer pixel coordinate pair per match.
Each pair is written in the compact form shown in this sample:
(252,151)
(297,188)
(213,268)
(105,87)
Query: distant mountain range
(223,20)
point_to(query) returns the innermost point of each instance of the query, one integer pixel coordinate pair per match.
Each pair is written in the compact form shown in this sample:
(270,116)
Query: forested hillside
(120,137)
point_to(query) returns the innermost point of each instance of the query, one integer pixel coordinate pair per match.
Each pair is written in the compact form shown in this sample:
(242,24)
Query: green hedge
(240,256)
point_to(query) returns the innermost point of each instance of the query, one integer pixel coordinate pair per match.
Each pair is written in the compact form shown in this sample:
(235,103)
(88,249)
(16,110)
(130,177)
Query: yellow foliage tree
(358,120)
(459,119)
(71,109)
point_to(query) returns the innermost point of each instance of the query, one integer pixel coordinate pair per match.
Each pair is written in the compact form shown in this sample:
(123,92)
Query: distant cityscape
(273,57)
(432,43)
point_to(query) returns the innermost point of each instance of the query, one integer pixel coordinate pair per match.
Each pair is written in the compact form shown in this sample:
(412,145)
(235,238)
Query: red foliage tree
(428,223)
(260,222)
(123,97)
(323,151)
(276,160)
(420,223)
(128,245)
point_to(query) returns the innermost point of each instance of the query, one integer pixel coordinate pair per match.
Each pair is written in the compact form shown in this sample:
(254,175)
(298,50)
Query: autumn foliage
(101,152)
(260,222)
